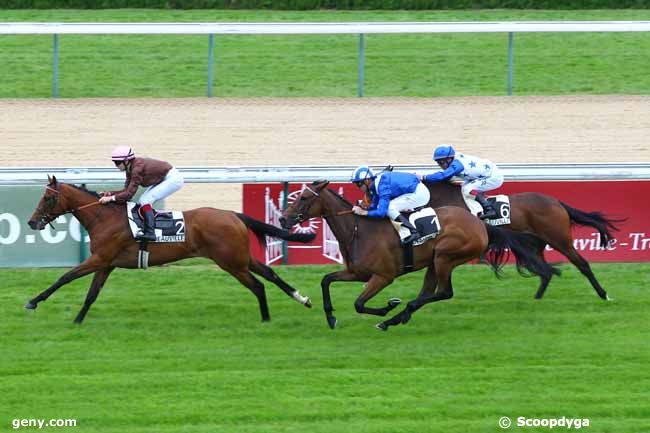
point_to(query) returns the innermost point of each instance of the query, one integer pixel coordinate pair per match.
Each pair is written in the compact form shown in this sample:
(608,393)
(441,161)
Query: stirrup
(488,214)
(410,238)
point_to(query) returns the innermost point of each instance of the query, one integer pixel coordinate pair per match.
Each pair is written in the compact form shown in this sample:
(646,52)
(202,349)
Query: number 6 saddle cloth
(499,202)
(168,227)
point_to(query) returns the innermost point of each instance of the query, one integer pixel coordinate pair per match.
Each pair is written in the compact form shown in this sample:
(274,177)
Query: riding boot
(488,209)
(148,234)
(406,223)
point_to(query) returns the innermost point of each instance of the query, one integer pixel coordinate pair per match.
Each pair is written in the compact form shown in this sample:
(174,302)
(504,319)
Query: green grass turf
(181,349)
(324,65)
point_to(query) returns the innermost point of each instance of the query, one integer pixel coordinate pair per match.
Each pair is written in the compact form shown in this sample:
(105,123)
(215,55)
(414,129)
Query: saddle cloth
(500,202)
(169,226)
(427,223)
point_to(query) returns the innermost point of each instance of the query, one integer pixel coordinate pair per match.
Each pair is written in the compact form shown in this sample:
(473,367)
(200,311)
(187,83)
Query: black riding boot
(488,209)
(406,223)
(148,234)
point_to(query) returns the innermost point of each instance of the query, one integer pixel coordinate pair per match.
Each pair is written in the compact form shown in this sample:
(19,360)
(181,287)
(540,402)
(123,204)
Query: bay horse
(372,252)
(547,218)
(219,235)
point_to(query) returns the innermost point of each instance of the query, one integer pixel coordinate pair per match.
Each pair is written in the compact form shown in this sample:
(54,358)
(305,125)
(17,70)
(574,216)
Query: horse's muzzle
(285,223)
(36,225)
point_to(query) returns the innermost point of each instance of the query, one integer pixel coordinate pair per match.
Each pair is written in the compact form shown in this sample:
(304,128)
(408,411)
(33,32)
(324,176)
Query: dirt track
(218,132)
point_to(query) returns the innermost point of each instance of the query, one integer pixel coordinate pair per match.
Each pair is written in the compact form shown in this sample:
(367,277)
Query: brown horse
(219,235)
(547,218)
(372,252)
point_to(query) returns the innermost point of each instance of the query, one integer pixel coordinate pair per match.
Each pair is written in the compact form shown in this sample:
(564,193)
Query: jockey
(160,177)
(478,175)
(390,192)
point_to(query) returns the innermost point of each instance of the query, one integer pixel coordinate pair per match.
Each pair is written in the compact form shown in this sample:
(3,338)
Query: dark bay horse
(219,235)
(546,217)
(372,251)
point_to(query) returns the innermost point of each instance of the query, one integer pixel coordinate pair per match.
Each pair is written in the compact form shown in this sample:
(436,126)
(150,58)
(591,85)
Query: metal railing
(253,174)
(212,29)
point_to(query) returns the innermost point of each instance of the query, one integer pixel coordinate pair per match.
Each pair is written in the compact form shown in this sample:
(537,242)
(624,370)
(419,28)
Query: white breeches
(172,183)
(419,197)
(489,183)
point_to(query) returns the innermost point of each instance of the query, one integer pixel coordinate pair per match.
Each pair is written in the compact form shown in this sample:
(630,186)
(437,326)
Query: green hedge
(326,4)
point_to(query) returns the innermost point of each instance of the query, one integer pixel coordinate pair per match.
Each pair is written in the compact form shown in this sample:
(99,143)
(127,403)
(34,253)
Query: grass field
(181,349)
(324,65)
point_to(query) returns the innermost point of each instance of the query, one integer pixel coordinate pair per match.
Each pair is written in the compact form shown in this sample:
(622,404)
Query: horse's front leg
(98,282)
(375,285)
(344,275)
(444,290)
(89,266)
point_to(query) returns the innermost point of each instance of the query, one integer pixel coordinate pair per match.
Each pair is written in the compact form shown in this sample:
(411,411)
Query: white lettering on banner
(272,216)
(639,242)
(592,243)
(52,238)
(14,229)
(75,230)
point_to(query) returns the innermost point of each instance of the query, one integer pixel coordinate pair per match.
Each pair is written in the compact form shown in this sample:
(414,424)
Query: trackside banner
(615,199)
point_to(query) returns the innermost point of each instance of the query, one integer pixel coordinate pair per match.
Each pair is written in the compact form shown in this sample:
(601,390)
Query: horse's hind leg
(268,273)
(583,265)
(544,281)
(255,286)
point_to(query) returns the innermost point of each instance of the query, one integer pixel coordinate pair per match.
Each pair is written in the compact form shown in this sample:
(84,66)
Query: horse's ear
(322,183)
(53,180)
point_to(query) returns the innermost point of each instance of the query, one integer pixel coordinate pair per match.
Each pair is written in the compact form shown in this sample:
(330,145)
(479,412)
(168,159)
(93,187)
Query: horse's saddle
(425,220)
(168,226)
(499,202)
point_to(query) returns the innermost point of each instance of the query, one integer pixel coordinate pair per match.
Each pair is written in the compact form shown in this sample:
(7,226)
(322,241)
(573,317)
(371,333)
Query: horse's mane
(341,198)
(84,189)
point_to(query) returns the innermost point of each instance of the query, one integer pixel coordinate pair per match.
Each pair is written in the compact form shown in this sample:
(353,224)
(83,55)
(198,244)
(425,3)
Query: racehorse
(372,252)
(546,217)
(219,235)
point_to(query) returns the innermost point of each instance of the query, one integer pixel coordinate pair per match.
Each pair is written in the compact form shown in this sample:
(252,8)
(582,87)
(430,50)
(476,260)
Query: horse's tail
(261,230)
(596,220)
(525,248)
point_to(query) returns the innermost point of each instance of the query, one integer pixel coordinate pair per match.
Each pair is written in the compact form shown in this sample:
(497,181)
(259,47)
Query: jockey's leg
(172,183)
(418,198)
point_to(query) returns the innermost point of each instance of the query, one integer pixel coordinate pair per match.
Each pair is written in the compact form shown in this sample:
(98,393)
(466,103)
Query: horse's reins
(77,208)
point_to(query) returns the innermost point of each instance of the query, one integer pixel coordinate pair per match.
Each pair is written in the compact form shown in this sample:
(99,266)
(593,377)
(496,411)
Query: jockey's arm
(130,190)
(455,168)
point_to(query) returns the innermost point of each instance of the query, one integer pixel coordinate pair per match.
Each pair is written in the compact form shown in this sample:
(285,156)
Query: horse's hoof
(30,305)
(382,326)
(607,298)
(394,302)
(331,321)
(307,303)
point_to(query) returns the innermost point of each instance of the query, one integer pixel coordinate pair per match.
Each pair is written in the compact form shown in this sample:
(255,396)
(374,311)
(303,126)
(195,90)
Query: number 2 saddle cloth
(168,227)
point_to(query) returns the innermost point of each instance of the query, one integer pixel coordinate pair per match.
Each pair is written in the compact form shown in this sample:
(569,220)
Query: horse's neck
(76,198)
(342,226)
(446,194)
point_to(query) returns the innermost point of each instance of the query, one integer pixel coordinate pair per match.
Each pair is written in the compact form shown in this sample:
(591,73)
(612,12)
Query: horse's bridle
(51,201)
(300,217)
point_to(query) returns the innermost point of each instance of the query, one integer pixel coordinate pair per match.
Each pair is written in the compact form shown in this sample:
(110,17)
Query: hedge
(326,4)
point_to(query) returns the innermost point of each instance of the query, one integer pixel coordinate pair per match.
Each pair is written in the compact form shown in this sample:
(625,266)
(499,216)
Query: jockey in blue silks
(478,175)
(390,193)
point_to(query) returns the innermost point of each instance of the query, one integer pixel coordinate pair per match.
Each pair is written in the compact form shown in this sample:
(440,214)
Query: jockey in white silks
(480,175)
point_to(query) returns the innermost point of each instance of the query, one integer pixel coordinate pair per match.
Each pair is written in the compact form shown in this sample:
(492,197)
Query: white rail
(360,28)
(512,172)
(323,28)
